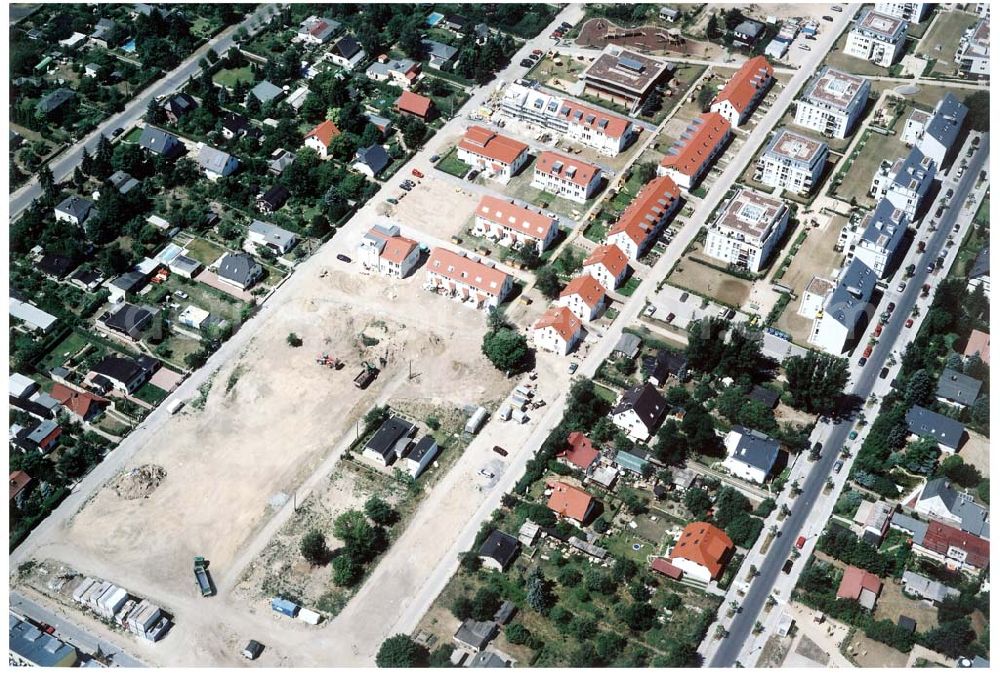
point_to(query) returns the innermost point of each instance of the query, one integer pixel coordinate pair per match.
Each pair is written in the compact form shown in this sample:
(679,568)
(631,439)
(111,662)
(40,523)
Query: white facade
(905,183)
(833,103)
(557,331)
(384,251)
(481,286)
(514,226)
(747,230)
(908,11)
(792,161)
(973,54)
(846,309)
(584,296)
(877,239)
(608,265)
(562,184)
(629,422)
(878,38)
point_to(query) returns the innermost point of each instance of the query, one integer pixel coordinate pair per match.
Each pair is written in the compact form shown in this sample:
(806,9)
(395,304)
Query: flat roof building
(747,230)
(833,103)
(624,77)
(792,161)
(876,37)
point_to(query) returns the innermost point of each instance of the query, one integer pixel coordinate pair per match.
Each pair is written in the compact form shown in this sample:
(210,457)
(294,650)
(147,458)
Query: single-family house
(383,445)
(584,296)
(400,72)
(639,412)
(384,250)
(581,453)
(558,330)
(215,163)
(346,53)
(119,372)
(320,137)
(415,104)
(750,455)
(126,321)
(239,270)
(957,389)
(702,552)
(51,103)
(945,431)
(475,635)
(74,209)
(438,54)
(266,92)
(978,344)
(747,33)
(280,160)
(954,548)
(177,105)
(571,503)
(420,455)
(127,283)
(920,586)
(56,266)
(264,234)
(861,586)
(18,487)
(627,346)
(234,125)
(872,520)
(32,317)
(371,161)
(317,30)
(273,199)
(939,499)
(499,550)
(123,182)
(161,143)
(81,405)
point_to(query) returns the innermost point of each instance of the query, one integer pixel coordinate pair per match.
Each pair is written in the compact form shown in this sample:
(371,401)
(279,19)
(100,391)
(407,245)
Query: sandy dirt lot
(440,208)
(269,421)
(976,451)
(709,282)
(892,603)
(871,654)
(653,39)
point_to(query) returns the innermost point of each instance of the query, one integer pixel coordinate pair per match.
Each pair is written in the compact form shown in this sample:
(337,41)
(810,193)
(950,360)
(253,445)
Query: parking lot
(685,308)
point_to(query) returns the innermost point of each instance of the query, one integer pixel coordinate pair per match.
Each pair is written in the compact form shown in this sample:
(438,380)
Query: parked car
(526,63)
(180,294)
(901,286)
(670,318)
(930,268)
(853,435)
(827,18)
(486,474)
(392,201)
(925,290)
(868,350)
(118,130)
(909,322)
(499,450)
(787,567)
(837,466)
(956,228)
(861,361)
(891,307)
(878,330)
(435,157)
(800,542)
(805,47)
(883,373)
(951,192)
(573,367)
(837,8)
(417,173)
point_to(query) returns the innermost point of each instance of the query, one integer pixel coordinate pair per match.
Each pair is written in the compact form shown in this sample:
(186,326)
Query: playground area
(600,32)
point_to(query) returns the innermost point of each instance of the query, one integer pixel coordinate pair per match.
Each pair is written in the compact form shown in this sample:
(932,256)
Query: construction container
(308,616)
(285,607)
(519,416)
(115,602)
(476,421)
(95,594)
(125,611)
(175,406)
(519,401)
(504,413)
(524,390)
(80,590)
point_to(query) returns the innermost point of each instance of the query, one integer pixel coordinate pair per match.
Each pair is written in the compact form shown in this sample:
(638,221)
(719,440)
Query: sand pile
(140,482)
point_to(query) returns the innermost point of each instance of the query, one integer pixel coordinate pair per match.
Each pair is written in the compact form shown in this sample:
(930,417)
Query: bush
(293,340)
(313,548)
(399,651)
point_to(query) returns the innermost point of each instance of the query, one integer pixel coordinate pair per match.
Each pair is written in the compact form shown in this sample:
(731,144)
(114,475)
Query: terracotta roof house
(384,250)
(584,296)
(513,225)
(979,342)
(468,279)
(484,149)
(608,265)
(689,159)
(321,136)
(558,330)
(566,177)
(415,104)
(702,551)
(954,548)
(860,585)
(571,503)
(581,452)
(18,484)
(82,405)
(744,90)
(641,222)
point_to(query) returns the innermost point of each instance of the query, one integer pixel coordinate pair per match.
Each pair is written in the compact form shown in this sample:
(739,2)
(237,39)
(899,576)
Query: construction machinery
(366,375)
(327,360)
(201,575)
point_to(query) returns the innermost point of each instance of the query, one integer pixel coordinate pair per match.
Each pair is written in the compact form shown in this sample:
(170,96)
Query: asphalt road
(70,633)
(729,650)
(65,163)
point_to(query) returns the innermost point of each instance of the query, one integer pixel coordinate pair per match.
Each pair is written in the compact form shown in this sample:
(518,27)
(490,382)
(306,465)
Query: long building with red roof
(736,101)
(415,104)
(691,157)
(486,150)
(511,224)
(566,177)
(954,548)
(558,330)
(467,279)
(641,222)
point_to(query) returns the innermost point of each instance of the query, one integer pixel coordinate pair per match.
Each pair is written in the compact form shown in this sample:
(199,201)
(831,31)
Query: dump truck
(366,375)
(201,575)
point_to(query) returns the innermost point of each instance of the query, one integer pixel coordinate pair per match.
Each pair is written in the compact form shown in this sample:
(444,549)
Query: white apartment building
(876,37)
(973,53)
(934,134)
(914,12)
(566,177)
(877,238)
(514,226)
(744,90)
(846,309)
(747,230)
(792,161)
(610,134)
(384,250)
(905,183)
(557,331)
(833,102)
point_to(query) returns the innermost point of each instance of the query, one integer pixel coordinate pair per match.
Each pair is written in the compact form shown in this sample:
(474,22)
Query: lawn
(208,298)
(857,177)
(154,395)
(559,72)
(133,136)
(229,77)
(630,286)
(63,350)
(983,214)
(204,251)
(520,188)
(450,164)
(942,40)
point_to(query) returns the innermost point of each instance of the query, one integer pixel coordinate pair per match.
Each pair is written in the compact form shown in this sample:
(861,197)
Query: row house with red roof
(741,94)
(495,153)
(566,177)
(641,222)
(557,331)
(690,158)
(514,226)
(384,250)
(954,548)
(584,296)
(608,265)
(467,278)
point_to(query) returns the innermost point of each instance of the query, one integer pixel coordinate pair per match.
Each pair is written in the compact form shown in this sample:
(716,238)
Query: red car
(868,351)
(417,173)
(800,542)
(909,322)
(878,329)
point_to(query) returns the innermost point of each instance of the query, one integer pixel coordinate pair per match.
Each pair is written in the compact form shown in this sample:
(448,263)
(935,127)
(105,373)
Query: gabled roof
(569,501)
(272,233)
(439,50)
(609,256)
(463,269)
(704,544)
(121,368)
(18,481)
(374,157)
(927,423)
(325,132)
(56,265)
(958,387)
(588,289)
(397,249)
(489,144)
(76,207)
(239,267)
(180,104)
(704,136)
(560,319)
(753,448)
(347,47)
(157,141)
(276,196)
(598,121)
(981,266)
(978,342)
(521,219)
(411,102)
(77,402)
(235,123)
(743,86)
(55,99)
(501,547)
(645,401)
(647,210)
(856,580)
(973,518)
(581,451)
(388,435)
(566,168)
(127,319)
(213,160)
(940,538)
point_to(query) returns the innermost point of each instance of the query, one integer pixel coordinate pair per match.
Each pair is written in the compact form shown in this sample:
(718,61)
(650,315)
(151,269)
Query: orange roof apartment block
(321,136)
(503,220)
(467,279)
(646,215)
(736,101)
(558,330)
(415,104)
(581,452)
(607,264)
(689,158)
(566,177)
(486,150)
(702,551)
(571,503)
(608,133)
(584,296)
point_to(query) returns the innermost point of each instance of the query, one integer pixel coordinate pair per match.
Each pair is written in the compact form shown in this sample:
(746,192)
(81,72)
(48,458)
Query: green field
(450,164)
(66,348)
(204,251)
(154,395)
(229,77)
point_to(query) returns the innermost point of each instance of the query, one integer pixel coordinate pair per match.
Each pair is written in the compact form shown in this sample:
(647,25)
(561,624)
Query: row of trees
(364,537)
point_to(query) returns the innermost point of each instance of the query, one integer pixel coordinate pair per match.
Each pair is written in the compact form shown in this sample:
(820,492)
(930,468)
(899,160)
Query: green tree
(380,511)
(506,349)
(547,282)
(815,381)
(978,117)
(706,343)
(346,571)
(401,652)
(313,548)
(697,501)
(517,634)
(293,340)
(919,388)
(538,592)
(699,427)
(361,541)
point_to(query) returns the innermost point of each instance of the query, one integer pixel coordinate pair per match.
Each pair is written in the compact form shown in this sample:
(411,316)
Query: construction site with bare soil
(265,433)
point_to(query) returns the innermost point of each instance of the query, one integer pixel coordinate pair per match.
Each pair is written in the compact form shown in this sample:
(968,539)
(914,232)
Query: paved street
(70,633)
(66,162)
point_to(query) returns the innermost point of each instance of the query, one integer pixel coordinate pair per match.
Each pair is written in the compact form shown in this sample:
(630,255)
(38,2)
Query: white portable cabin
(309,617)
(476,421)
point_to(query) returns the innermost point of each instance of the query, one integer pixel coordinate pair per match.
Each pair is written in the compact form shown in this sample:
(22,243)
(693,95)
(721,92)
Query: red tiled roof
(397,248)
(978,341)
(704,138)
(561,319)
(599,121)
(706,545)
(489,144)
(416,104)
(664,566)
(521,219)
(581,452)
(940,537)
(591,291)
(569,501)
(326,132)
(611,257)
(476,274)
(18,481)
(78,402)
(647,209)
(573,171)
(745,83)
(855,581)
